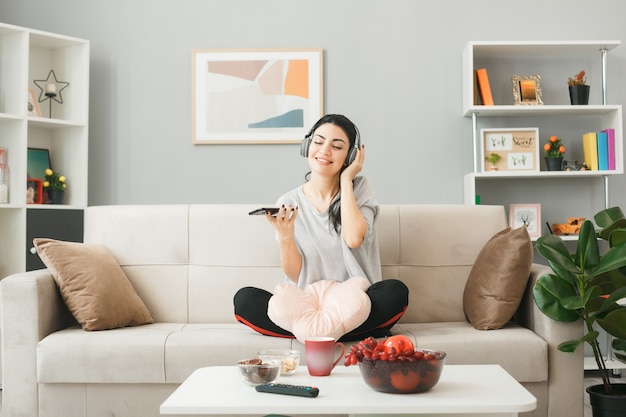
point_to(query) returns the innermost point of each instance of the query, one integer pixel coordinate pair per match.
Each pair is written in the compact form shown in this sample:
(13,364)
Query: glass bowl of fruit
(395,366)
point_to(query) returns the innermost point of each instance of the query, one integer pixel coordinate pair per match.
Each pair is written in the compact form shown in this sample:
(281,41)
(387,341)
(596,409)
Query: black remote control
(288,389)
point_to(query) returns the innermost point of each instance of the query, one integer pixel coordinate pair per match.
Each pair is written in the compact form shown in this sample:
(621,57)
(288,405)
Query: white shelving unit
(27,55)
(554,62)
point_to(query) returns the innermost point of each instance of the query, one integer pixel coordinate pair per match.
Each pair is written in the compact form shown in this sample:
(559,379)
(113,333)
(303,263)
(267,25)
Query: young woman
(325,230)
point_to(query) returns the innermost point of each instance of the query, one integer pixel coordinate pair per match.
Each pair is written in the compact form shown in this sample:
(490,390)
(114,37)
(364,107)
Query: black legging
(389,298)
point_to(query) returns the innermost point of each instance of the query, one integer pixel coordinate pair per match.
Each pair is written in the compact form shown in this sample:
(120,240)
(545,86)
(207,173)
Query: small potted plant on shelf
(578,88)
(493,158)
(54,185)
(590,287)
(554,153)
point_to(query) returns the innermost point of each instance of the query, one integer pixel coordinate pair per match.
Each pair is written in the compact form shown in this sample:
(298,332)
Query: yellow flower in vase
(54,185)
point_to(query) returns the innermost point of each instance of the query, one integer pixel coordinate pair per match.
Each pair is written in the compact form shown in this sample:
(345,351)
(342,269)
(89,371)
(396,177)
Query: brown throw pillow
(93,285)
(497,281)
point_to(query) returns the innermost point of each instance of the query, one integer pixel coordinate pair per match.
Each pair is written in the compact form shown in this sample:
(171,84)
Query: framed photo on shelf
(509,149)
(255,96)
(528,215)
(38,160)
(33,104)
(34,191)
(526,89)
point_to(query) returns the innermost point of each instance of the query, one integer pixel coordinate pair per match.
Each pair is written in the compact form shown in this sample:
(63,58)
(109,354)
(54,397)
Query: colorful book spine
(483,86)
(610,133)
(603,151)
(590,150)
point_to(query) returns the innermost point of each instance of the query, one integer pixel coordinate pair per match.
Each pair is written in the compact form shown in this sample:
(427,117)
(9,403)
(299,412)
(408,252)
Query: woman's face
(328,150)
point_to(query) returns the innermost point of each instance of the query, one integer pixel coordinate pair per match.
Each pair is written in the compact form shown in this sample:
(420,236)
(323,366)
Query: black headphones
(306,144)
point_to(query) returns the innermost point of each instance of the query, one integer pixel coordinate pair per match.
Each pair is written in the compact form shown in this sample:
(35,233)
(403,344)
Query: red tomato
(400,343)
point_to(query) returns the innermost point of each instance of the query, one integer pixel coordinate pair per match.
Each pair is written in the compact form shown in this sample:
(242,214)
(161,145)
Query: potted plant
(493,158)
(55,186)
(554,153)
(589,286)
(578,88)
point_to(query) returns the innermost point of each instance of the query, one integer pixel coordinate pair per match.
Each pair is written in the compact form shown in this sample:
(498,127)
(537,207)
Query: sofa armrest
(566,370)
(31,308)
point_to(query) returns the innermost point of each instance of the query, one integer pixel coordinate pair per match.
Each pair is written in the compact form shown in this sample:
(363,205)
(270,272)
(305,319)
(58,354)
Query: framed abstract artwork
(255,96)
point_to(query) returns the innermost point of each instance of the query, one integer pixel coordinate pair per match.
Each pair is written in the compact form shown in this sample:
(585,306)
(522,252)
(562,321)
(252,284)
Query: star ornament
(51,88)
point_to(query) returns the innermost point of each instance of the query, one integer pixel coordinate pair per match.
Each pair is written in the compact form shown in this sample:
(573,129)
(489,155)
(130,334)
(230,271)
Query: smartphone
(263,210)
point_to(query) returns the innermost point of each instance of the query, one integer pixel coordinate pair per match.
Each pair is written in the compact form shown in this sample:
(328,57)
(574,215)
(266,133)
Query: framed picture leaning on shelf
(528,215)
(34,191)
(33,104)
(37,163)
(518,149)
(526,89)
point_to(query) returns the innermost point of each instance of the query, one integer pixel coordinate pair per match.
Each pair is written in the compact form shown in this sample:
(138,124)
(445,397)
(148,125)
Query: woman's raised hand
(356,166)
(284,221)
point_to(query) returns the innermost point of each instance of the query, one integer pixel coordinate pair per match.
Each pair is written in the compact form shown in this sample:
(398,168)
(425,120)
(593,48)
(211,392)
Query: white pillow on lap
(324,308)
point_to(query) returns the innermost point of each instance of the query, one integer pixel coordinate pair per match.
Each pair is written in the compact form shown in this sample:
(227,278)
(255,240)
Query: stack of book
(599,150)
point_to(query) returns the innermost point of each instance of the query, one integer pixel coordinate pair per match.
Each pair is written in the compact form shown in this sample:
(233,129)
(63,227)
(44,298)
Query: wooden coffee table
(463,390)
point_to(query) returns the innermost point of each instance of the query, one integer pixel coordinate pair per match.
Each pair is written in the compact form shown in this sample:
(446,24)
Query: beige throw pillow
(93,285)
(498,279)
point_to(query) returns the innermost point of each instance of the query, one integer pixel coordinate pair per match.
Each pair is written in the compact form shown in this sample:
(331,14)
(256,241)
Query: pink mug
(320,354)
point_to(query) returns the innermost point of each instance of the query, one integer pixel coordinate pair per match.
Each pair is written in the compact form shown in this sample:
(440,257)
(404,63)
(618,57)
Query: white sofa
(187,261)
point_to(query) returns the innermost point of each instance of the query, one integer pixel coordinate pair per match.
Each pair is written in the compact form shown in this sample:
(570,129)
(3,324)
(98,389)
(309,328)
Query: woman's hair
(352,132)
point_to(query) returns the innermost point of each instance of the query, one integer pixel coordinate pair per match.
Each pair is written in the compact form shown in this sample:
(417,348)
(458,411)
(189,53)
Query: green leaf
(590,336)
(619,344)
(614,258)
(547,293)
(615,296)
(615,323)
(569,346)
(618,236)
(554,250)
(587,251)
(580,301)
(608,216)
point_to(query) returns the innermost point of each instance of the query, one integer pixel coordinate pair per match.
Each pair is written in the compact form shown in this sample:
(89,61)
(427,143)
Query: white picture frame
(255,96)
(528,215)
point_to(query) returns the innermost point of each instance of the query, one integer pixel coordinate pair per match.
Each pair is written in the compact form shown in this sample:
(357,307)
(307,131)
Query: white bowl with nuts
(290,359)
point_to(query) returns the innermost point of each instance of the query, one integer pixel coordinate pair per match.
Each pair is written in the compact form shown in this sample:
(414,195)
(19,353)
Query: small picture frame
(33,104)
(528,215)
(516,149)
(526,89)
(34,191)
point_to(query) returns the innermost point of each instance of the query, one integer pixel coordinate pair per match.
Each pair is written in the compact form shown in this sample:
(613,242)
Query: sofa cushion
(520,351)
(497,280)
(93,285)
(324,308)
(155,353)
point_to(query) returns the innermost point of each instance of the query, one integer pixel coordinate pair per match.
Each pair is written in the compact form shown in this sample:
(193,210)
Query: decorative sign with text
(510,149)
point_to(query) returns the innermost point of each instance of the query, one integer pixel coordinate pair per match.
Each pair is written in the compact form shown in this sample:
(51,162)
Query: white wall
(393,66)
